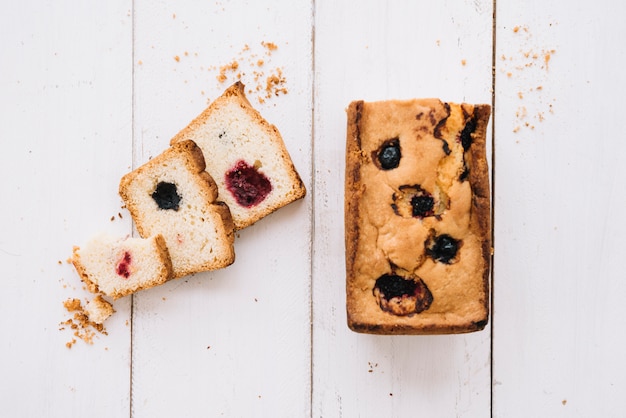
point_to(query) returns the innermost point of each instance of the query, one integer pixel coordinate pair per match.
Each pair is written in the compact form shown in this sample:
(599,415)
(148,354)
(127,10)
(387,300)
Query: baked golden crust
(417,217)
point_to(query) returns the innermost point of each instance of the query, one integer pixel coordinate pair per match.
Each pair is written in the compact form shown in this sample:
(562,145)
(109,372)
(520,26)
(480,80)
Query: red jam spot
(247,184)
(123,267)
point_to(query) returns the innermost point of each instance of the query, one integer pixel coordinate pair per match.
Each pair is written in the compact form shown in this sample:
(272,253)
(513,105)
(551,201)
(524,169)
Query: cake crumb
(176,58)
(249,68)
(546,58)
(271,46)
(83,329)
(224,69)
(533,57)
(275,84)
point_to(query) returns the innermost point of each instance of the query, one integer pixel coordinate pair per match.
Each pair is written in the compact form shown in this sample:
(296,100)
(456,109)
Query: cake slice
(174,196)
(417,217)
(246,156)
(118,267)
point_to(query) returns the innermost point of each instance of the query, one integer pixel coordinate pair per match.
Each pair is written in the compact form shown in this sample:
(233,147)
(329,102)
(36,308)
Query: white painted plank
(378,50)
(234,342)
(65,124)
(560,320)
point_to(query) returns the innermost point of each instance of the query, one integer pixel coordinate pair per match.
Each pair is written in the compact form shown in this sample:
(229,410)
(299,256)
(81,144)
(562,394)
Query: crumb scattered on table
(528,61)
(80,325)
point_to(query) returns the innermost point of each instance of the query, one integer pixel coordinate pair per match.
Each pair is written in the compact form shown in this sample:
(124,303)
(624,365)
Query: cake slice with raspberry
(117,267)
(174,196)
(246,156)
(417,217)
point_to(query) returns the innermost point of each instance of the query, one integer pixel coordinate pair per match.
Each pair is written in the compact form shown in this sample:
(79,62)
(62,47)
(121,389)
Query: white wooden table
(89,90)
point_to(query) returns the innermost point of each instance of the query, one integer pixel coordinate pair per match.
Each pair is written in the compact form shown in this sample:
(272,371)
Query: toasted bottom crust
(442,162)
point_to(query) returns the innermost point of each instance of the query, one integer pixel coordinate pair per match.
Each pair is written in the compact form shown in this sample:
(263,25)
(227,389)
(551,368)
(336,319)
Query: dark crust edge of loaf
(351,207)
(395,329)
(479,181)
(237,90)
(481,193)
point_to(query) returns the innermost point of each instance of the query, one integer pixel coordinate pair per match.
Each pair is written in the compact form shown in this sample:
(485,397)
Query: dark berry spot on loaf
(466,134)
(442,248)
(388,156)
(439,125)
(401,296)
(248,186)
(123,266)
(413,201)
(445,146)
(423,296)
(464,174)
(166,196)
(422,205)
(392,285)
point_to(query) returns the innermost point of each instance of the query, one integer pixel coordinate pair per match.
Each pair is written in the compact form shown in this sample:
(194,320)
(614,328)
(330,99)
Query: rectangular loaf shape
(417,217)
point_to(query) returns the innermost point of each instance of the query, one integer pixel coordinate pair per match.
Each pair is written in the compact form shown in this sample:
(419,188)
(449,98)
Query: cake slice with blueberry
(246,156)
(117,267)
(174,196)
(417,217)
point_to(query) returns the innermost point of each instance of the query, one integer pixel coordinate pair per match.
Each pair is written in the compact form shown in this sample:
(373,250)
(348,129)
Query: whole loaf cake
(417,217)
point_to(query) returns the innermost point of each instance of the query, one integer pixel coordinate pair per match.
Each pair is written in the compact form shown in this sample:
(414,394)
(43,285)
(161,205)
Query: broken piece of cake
(99,310)
(417,217)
